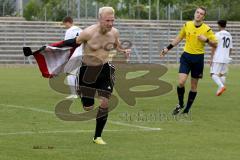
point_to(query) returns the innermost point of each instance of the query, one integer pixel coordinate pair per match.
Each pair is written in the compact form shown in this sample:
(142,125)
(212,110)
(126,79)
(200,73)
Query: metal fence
(146,42)
(147,39)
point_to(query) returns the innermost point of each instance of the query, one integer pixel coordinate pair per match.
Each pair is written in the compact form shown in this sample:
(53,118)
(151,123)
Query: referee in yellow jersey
(197,34)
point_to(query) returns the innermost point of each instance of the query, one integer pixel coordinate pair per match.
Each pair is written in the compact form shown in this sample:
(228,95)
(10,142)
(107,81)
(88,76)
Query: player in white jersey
(72,32)
(220,57)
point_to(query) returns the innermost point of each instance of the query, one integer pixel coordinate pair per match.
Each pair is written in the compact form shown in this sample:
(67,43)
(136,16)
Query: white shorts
(219,68)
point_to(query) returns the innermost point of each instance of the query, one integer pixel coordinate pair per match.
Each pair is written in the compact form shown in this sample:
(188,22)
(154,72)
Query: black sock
(180,92)
(191,97)
(101,120)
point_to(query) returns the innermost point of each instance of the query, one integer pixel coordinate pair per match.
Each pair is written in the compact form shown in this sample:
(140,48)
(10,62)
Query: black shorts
(193,63)
(94,79)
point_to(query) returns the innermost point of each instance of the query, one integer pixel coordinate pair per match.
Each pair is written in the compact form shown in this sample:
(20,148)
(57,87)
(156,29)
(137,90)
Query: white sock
(223,79)
(71,79)
(217,80)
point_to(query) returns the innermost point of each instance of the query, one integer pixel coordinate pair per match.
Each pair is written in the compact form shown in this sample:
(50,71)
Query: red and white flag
(53,60)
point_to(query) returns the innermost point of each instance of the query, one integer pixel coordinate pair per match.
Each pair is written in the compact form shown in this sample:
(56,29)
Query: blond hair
(203,8)
(108,10)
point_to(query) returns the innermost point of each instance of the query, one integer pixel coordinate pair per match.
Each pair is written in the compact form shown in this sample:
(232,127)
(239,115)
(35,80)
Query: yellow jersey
(190,32)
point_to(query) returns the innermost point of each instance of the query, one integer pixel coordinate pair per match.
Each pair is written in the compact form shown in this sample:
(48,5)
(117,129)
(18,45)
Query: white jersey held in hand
(221,54)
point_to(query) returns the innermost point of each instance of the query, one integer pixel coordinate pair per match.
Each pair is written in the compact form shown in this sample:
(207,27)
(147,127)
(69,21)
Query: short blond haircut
(108,10)
(202,8)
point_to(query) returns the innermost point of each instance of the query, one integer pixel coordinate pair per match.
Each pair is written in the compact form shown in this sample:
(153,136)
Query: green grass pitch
(29,129)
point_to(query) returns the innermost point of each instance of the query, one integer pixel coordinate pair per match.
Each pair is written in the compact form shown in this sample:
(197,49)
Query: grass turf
(211,132)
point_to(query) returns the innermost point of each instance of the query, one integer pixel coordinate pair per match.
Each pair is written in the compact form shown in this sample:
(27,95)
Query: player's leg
(87,94)
(196,73)
(216,78)
(88,103)
(191,95)
(71,80)
(87,98)
(217,71)
(184,70)
(215,74)
(222,77)
(105,84)
(182,78)
(180,92)
(223,73)
(101,120)
(86,90)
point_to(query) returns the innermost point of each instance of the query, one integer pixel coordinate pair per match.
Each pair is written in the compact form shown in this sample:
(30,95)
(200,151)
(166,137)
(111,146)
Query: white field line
(52,132)
(67,131)
(109,121)
(133,125)
(27,108)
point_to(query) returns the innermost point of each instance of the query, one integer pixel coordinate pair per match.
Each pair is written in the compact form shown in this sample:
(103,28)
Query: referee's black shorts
(94,79)
(193,63)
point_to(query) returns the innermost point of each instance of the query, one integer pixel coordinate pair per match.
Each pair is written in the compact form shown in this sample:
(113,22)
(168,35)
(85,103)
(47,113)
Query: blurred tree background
(55,10)
(7,8)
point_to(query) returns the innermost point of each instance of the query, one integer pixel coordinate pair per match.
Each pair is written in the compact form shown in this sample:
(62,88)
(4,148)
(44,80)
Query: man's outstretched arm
(174,43)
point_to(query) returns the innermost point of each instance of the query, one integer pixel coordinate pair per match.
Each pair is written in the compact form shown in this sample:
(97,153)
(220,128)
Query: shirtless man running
(96,72)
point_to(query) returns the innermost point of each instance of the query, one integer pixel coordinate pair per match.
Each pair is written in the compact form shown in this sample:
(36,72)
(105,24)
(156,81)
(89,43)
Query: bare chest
(98,41)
